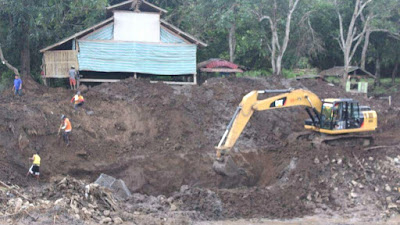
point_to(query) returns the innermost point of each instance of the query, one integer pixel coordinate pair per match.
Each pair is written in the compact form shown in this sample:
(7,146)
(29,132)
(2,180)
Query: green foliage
(6,80)
(313,39)
(255,73)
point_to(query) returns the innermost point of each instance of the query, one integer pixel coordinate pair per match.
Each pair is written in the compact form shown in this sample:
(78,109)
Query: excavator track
(343,141)
(320,140)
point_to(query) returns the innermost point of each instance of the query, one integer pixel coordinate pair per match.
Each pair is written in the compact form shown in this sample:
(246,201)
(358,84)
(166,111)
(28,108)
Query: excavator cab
(339,116)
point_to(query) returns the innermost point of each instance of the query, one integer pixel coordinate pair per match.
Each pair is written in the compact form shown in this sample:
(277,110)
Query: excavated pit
(158,138)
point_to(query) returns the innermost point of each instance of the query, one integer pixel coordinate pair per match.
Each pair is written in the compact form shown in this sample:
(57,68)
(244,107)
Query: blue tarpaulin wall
(149,58)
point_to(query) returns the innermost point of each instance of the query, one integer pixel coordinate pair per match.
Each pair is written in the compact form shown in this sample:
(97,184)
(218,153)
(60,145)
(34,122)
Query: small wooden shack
(357,78)
(134,41)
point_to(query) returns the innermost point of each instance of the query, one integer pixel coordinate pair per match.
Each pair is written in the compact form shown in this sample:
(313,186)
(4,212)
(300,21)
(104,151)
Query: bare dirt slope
(157,138)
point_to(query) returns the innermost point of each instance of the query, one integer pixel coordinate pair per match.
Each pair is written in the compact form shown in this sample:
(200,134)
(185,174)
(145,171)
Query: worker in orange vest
(78,100)
(66,127)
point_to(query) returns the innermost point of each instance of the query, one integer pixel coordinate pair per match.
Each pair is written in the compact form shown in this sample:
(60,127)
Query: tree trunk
(365,48)
(26,58)
(279,66)
(394,72)
(5,62)
(273,54)
(378,71)
(232,42)
(345,71)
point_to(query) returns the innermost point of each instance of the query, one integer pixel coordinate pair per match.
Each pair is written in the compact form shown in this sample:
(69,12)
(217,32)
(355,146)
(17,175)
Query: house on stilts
(134,41)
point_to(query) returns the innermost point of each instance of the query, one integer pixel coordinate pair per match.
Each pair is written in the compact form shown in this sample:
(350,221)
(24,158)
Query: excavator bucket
(227,167)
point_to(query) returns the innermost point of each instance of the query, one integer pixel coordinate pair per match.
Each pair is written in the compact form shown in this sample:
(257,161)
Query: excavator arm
(249,104)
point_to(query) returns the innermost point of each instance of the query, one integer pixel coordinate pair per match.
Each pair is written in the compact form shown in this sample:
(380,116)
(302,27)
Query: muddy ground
(160,140)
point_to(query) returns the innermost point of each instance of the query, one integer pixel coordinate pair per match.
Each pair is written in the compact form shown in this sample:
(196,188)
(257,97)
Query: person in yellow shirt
(77,100)
(66,127)
(34,170)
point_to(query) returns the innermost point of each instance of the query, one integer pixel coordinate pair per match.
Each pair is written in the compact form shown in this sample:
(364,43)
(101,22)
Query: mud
(159,138)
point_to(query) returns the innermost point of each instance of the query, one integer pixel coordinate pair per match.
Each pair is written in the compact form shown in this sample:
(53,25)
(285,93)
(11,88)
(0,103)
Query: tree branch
(341,41)
(5,62)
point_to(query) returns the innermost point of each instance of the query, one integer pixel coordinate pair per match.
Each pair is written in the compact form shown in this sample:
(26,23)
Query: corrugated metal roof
(339,71)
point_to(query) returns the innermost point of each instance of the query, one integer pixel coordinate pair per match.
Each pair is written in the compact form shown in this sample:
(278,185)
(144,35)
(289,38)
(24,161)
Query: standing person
(34,170)
(72,78)
(66,127)
(17,85)
(78,100)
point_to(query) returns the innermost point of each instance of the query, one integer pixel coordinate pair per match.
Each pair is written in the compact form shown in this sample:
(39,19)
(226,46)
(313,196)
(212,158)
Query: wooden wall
(58,63)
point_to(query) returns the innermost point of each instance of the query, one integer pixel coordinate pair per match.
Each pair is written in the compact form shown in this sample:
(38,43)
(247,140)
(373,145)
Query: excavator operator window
(353,119)
(326,115)
(339,114)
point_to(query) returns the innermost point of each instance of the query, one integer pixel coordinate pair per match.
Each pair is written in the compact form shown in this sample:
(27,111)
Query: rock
(120,190)
(17,204)
(354,183)
(309,198)
(353,195)
(106,220)
(89,113)
(77,216)
(23,141)
(316,161)
(184,188)
(117,220)
(82,153)
(173,207)
(376,189)
(339,161)
(371,158)
(106,212)
(396,161)
(92,206)
(360,186)
(59,201)
(392,206)
(388,188)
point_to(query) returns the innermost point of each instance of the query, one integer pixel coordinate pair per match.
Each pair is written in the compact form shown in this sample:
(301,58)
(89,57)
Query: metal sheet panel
(141,27)
(169,37)
(158,59)
(105,33)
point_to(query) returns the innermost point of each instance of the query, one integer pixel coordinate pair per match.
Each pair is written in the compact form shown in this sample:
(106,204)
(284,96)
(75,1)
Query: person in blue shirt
(17,86)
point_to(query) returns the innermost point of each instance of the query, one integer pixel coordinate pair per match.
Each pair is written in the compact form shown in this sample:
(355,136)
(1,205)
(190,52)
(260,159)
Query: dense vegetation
(268,36)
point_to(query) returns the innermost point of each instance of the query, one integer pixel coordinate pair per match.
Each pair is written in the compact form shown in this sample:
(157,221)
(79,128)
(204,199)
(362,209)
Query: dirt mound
(158,138)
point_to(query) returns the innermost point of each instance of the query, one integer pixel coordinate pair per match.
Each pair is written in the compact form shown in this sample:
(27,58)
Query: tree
(350,42)
(273,13)
(383,19)
(33,24)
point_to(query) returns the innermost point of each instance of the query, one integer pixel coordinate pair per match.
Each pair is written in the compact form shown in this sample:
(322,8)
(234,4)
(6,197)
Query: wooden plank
(99,80)
(174,82)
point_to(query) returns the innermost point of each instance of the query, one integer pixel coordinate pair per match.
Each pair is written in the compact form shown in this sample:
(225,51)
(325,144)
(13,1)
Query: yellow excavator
(332,116)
